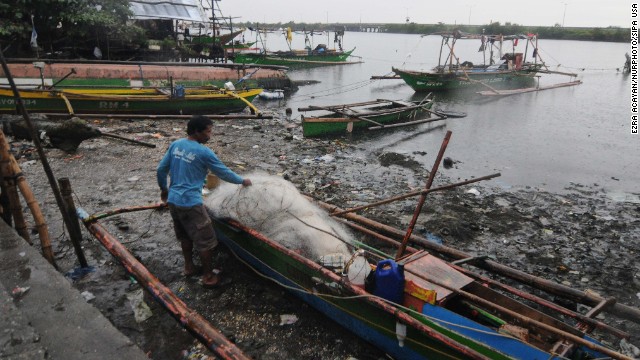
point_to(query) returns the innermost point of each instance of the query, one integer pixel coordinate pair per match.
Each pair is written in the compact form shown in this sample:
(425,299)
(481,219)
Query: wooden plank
(420,269)
(330,120)
(315,107)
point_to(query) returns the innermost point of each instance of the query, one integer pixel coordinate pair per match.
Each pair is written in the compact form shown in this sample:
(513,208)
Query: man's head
(199,128)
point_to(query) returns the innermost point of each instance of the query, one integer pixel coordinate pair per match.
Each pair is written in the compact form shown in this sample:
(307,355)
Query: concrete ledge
(50,320)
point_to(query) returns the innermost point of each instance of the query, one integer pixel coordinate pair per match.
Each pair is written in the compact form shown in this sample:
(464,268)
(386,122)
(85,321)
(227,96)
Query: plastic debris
(18,291)
(325,158)
(133,178)
(79,272)
(288,319)
(629,349)
(473,191)
(88,296)
(141,310)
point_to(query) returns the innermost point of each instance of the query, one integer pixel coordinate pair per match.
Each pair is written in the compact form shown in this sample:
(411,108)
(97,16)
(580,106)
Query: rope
(333,91)
(353,297)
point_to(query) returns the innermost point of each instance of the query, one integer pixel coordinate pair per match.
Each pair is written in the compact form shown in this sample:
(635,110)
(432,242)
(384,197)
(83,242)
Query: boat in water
(511,69)
(173,101)
(376,113)
(320,55)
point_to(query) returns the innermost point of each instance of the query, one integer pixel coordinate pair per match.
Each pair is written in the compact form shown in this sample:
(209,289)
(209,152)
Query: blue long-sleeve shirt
(187,163)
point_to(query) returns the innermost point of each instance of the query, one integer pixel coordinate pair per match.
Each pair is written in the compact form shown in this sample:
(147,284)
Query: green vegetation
(70,26)
(74,28)
(613,34)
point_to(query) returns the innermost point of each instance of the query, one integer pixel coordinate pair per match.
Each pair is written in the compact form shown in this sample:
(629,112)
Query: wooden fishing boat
(295,58)
(376,113)
(30,72)
(319,55)
(409,296)
(431,307)
(130,101)
(512,69)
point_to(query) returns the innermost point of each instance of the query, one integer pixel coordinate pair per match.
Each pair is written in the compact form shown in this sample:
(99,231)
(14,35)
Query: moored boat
(422,304)
(130,101)
(319,55)
(295,58)
(30,72)
(511,69)
(375,113)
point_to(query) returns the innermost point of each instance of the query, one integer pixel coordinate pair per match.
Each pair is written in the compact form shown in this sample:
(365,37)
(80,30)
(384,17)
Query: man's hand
(246,182)
(164,195)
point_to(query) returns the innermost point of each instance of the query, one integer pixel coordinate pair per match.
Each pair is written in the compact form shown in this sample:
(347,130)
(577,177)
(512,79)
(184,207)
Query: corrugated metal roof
(189,10)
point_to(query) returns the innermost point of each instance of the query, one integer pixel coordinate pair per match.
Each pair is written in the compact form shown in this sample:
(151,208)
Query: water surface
(549,139)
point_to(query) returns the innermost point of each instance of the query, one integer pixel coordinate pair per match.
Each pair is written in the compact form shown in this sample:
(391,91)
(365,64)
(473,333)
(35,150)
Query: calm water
(548,139)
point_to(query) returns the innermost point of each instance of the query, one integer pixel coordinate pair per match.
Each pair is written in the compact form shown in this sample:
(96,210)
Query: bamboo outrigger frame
(531,39)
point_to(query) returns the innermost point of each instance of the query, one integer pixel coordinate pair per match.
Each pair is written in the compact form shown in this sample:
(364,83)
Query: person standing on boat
(187,162)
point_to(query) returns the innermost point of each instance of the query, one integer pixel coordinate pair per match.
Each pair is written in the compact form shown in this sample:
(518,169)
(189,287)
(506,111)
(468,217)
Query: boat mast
(440,56)
(451,54)
(526,50)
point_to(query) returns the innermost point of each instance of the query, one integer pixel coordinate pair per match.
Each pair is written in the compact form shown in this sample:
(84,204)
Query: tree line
(86,28)
(557,32)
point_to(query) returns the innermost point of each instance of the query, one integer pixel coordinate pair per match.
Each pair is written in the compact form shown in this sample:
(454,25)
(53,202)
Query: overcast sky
(589,13)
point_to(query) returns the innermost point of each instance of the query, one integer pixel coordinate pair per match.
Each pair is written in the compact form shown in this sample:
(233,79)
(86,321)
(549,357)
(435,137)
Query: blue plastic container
(389,281)
(179,91)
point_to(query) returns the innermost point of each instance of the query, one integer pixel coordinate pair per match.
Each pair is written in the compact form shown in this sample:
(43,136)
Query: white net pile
(275,208)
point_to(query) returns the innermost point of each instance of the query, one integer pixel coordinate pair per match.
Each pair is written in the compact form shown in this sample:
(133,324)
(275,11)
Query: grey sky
(589,13)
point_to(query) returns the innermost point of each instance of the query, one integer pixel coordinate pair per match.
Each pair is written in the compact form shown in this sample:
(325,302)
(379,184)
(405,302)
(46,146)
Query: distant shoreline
(608,34)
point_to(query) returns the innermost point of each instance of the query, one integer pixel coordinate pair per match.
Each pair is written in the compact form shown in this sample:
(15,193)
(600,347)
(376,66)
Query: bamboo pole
(551,287)
(423,197)
(400,316)
(536,299)
(128,140)
(415,193)
(103,215)
(36,141)
(531,322)
(5,213)
(9,180)
(407,123)
(34,207)
(187,317)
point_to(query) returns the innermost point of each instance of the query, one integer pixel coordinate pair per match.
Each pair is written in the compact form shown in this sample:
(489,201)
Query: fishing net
(275,208)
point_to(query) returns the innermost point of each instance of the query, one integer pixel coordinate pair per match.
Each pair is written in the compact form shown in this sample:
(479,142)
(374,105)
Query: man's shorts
(194,224)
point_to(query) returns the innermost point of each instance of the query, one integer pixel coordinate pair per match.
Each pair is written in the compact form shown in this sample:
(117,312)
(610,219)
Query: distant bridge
(362,27)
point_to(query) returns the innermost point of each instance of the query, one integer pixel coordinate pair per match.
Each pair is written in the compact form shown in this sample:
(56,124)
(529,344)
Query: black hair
(198,123)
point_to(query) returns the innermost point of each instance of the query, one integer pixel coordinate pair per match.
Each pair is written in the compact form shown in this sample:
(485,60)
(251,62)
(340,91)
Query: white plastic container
(358,271)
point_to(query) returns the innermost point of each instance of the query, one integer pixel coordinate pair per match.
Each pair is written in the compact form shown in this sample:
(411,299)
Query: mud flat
(583,237)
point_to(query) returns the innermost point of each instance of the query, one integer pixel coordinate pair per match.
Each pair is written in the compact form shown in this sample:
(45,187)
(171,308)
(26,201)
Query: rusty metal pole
(188,318)
(74,231)
(423,197)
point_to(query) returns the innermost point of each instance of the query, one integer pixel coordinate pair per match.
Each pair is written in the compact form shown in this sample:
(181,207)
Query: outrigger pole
(188,318)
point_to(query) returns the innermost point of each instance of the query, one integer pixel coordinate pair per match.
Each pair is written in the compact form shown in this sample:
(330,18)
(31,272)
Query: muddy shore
(580,237)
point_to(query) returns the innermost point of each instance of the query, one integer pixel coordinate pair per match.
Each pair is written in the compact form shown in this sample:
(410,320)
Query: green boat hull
(166,106)
(292,60)
(367,319)
(432,81)
(328,128)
